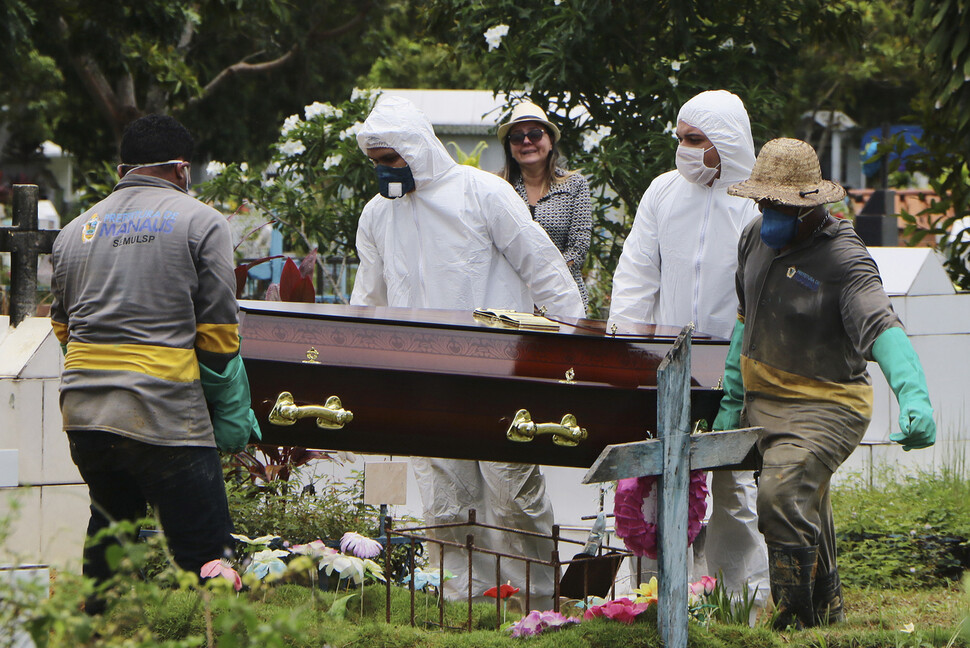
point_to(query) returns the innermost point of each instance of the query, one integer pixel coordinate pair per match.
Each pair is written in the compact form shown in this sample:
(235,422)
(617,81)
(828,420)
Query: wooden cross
(25,243)
(672,455)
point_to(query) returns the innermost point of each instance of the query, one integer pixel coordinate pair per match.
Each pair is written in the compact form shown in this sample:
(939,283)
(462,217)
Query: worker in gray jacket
(144,302)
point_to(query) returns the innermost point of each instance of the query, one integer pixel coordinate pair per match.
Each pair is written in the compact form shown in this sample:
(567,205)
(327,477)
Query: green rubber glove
(729,415)
(904,373)
(227,393)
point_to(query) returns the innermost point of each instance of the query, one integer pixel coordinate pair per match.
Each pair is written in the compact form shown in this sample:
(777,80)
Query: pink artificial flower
(220,567)
(623,610)
(634,495)
(535,622)
(360,546)
(703,587)
(314,549)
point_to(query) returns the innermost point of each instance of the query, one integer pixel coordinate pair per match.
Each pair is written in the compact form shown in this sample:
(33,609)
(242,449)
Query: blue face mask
(777,228)
(394,182)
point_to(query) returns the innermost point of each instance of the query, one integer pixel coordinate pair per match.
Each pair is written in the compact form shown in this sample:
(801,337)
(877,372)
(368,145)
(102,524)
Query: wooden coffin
(447,384)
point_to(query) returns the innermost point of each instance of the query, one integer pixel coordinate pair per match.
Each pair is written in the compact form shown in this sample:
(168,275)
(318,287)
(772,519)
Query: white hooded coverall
(463,239)
(677,266)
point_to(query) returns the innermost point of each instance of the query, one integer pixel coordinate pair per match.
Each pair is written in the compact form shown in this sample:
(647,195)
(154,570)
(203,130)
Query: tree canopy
(229,69)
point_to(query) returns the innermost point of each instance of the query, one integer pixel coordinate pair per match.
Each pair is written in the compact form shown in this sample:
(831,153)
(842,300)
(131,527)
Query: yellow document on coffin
(514,319)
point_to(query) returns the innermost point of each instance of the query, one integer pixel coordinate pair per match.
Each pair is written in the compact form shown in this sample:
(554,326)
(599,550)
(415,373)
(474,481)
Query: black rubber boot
(827,598)
(791,571)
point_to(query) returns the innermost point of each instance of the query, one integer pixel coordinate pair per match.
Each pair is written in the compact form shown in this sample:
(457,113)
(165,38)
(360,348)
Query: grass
(901,591)
(875,618)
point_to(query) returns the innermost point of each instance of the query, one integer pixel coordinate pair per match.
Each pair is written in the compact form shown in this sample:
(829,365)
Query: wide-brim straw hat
(524,112)
(787,172)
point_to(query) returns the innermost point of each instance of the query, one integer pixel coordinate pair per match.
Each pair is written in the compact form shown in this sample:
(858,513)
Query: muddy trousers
(795,516)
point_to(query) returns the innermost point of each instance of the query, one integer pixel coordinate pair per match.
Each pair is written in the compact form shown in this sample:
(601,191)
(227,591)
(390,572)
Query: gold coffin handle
(566,433)
(331,416)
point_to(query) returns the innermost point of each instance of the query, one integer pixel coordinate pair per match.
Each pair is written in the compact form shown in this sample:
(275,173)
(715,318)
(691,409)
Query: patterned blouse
(565,212)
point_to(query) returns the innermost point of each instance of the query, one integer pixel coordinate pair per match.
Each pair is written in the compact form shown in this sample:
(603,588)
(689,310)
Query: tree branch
(244,67)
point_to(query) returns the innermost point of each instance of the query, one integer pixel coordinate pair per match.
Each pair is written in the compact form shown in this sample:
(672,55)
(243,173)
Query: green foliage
(889,537)
(944,112)
(316,183)
(98,182)
(326,511)
(229,69)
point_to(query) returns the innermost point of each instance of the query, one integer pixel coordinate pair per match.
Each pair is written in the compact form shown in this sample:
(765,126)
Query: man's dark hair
(156,138)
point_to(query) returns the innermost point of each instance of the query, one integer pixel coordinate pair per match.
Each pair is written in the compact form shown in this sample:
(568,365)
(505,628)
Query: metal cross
(672,455)
(25,243)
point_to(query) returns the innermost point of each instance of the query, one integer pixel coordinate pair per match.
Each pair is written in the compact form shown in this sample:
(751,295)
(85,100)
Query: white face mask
(690,163)
(132,167)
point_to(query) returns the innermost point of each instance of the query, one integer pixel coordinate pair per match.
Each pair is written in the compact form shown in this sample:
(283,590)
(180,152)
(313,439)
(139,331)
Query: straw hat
(527,111)
(787,172)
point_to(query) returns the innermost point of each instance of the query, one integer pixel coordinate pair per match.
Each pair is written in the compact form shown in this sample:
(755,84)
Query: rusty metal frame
(421,534)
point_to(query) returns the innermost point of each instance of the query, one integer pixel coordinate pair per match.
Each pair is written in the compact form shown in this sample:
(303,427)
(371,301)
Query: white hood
(463,239)
(722,117)
(397,123)
(679,260)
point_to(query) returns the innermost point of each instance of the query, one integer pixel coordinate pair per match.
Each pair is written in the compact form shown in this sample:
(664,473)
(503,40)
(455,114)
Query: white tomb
(40,488)
(937,321)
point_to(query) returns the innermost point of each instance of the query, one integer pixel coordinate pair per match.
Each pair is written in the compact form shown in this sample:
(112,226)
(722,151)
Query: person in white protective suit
(677,266)
(444,235)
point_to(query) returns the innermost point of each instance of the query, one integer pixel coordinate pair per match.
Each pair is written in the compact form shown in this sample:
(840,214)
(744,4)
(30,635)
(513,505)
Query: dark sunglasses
(534,135)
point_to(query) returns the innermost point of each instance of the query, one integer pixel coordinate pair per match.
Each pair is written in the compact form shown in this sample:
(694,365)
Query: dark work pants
(794,509)
(184,484)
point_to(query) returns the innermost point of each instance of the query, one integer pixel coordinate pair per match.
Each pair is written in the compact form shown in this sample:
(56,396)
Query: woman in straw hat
(558,199)
(812,311)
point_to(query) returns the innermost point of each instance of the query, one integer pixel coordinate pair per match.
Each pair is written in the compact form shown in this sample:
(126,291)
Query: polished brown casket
(443,383)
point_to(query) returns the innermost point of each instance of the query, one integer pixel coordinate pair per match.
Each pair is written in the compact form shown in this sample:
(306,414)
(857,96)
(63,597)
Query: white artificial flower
(494,35)
(592,139)
(215,168)
(728,44)
(289,124)
(673,81)
(675,66)
(360,546)
(292,147)
(332,161)
(351,131)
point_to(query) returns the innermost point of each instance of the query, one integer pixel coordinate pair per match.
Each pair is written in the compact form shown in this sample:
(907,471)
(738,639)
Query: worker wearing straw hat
(812,311)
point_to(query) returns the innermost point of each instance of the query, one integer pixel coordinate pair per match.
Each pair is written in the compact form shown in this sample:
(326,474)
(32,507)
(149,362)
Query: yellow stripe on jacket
(217,338)
(764,379)
(167,363)
(60,331)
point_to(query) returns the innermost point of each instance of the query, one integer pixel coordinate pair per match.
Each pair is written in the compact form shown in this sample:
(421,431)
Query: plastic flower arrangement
(622,609)
(502,593)
(351,567)
(647,592)
(268,563)
(221,568)
(535,622)
(635,511)
(315,549)
(360,546)
(424,579)
(697,598)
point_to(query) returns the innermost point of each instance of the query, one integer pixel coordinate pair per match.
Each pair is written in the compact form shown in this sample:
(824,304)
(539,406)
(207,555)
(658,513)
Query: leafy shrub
(300,515)
(907,530)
